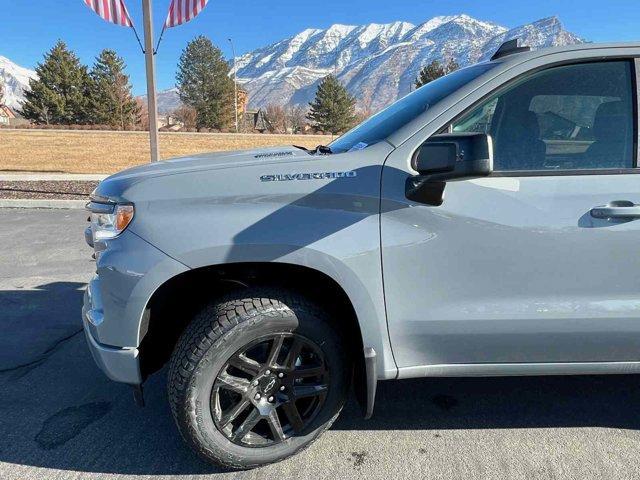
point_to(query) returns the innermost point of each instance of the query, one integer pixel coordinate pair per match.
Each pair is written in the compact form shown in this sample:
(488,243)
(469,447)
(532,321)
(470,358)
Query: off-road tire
(215,334)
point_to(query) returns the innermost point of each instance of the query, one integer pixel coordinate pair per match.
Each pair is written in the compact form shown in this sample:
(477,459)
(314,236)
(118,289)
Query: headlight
(109,220)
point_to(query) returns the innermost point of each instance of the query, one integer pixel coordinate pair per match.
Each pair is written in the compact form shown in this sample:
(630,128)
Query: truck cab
(483,225)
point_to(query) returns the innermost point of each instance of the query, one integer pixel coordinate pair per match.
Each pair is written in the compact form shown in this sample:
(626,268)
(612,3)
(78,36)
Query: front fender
(330,224)
(359,276)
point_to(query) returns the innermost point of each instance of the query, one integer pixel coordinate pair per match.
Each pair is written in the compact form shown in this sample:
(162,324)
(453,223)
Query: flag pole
(151,80)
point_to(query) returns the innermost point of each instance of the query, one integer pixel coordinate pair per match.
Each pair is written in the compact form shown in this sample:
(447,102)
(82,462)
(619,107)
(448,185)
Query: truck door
(539,262)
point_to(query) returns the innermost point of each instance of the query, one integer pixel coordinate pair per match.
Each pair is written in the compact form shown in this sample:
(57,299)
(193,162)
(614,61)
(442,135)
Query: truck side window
(573,117)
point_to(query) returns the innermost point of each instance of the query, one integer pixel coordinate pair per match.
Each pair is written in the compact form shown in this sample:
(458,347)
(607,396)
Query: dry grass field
(109,152)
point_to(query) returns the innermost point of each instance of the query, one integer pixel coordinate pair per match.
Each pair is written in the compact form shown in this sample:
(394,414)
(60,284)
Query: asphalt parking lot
(61,418)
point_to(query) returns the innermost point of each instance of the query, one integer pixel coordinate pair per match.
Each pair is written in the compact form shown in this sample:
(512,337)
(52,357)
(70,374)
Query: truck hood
(113,186)
(215,160)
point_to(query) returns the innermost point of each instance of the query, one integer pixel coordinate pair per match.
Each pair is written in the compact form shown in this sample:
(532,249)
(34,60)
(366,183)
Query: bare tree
(143,114)
(187,115)
(296,118)
(285,119)
(276,119)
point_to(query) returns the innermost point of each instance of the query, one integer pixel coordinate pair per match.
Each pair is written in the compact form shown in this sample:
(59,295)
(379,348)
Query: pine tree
(204,84)
(435,70)
(333,109)
(59,95)
(451,66)
(111,102)
(429,73)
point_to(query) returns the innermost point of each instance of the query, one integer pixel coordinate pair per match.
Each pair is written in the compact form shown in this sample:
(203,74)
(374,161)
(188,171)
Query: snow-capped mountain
(378,63)
(168,100)
(544,33)
(16,80)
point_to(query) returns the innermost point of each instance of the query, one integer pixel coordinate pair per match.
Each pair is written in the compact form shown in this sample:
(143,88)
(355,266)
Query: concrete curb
(45,176)
(33,203)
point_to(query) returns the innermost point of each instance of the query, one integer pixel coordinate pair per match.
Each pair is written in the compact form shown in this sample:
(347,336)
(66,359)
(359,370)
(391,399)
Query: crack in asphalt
(44,355)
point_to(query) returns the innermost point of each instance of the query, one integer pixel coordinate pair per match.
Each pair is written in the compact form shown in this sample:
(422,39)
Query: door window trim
(636,91)
(635,87)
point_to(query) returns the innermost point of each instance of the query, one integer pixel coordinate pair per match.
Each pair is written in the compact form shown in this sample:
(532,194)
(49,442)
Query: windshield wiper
(322,150)
(319,150)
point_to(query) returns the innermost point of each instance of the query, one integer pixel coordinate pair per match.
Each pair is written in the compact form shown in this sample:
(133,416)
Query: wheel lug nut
(282,388)
(268,372)
(280,375)
(271,399)
(257,396)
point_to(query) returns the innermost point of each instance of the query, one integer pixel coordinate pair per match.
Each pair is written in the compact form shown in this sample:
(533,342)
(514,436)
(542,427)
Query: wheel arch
(175,302)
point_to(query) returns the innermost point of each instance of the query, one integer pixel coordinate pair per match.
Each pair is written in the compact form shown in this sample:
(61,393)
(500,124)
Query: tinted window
(381,125)
(564,118)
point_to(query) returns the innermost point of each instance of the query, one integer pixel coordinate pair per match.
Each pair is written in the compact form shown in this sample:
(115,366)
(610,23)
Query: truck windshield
(384,123)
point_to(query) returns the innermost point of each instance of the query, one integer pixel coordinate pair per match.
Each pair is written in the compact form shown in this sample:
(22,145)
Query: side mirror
(454,156)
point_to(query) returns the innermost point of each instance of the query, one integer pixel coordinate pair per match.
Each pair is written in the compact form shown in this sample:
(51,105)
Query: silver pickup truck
(486,224)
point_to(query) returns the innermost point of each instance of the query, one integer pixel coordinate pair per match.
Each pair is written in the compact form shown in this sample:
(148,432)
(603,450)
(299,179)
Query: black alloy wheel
(270,390)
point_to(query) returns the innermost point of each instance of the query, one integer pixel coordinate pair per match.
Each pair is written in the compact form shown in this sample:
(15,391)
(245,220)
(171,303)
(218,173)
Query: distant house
(6,115)
(169,123)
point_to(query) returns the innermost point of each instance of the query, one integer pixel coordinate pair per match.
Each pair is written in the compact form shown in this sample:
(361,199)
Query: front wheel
(255,380)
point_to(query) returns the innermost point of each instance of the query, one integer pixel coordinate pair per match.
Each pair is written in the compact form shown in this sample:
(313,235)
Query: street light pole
(151,80)
(235,83)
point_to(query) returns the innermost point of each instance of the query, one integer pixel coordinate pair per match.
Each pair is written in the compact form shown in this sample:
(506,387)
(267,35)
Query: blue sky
(28,32)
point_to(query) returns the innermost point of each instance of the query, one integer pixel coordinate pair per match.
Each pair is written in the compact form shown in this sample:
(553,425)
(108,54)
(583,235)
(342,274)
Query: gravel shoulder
(46,189)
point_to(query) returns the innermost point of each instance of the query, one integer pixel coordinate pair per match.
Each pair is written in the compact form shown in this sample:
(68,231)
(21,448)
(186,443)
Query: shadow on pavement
(34,320)
(503,403)
(62,413)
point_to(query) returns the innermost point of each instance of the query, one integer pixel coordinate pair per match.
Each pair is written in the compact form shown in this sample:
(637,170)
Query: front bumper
(119,364)
(128,272)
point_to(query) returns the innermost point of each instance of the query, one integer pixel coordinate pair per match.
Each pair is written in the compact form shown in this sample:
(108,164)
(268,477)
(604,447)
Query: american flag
(182,11)
(113,11)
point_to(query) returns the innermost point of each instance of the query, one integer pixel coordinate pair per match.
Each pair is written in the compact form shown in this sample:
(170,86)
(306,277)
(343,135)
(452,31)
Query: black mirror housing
(454,156)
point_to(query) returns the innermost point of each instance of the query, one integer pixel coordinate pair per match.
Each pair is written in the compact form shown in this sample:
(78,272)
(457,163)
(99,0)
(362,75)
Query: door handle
(617,209)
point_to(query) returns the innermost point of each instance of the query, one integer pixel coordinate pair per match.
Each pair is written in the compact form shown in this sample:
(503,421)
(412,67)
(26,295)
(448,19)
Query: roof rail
(509,48)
